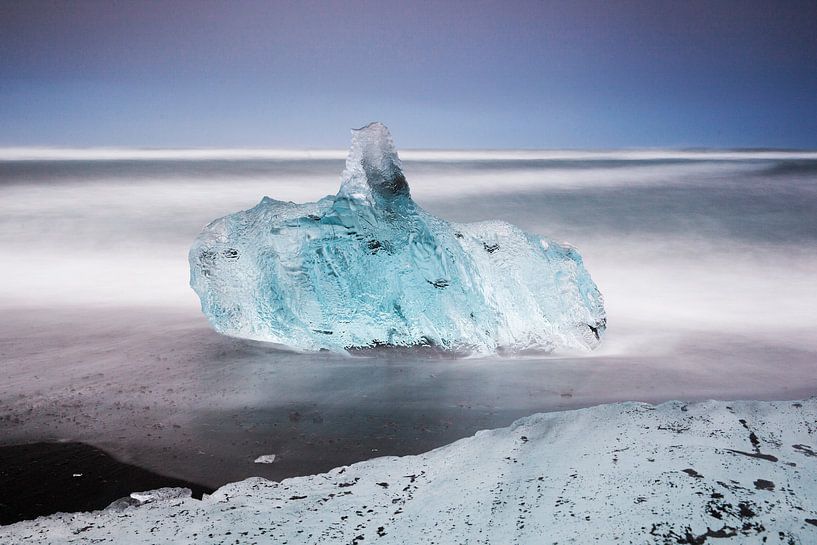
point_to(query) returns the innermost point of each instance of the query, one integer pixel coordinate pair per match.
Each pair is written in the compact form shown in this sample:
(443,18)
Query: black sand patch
(763,484)
(44,478)
(758,455)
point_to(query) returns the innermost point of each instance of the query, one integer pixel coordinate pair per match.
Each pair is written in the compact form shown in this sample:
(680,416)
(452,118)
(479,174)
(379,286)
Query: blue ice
(369,267)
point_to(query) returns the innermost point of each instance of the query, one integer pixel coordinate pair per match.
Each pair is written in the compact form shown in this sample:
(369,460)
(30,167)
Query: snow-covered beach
(737,472)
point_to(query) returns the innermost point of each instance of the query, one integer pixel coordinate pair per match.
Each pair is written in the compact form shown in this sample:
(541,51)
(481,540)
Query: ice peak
(372,166)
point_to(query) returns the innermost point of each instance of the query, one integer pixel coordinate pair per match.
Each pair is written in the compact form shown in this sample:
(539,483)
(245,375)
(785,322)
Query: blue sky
(471,74)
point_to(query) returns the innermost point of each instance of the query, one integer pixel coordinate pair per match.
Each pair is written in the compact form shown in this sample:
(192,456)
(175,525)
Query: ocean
(706,259)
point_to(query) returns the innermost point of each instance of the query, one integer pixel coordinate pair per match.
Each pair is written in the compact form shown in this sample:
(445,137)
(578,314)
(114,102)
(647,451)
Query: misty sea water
(706,261)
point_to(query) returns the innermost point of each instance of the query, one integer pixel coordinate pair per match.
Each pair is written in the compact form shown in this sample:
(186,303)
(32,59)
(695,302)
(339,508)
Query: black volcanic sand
(163,392)
(44,478)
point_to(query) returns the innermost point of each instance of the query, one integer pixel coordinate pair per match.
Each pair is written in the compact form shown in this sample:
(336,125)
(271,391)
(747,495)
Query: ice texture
(369,267)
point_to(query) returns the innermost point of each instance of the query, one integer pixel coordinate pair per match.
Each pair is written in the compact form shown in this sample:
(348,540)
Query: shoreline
(661,473)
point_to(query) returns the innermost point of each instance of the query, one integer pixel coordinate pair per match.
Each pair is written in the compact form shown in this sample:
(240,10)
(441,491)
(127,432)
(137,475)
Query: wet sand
(162,391)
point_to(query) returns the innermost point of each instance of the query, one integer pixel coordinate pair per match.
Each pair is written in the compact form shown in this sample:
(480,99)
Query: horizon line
(134,153)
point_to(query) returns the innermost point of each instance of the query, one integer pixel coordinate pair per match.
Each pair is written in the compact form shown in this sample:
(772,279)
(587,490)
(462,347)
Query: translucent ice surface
(369,267)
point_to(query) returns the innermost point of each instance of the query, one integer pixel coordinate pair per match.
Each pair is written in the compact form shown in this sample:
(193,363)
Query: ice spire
(372,166)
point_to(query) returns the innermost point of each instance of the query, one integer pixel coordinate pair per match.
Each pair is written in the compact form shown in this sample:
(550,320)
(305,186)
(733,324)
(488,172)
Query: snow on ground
(725,472)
